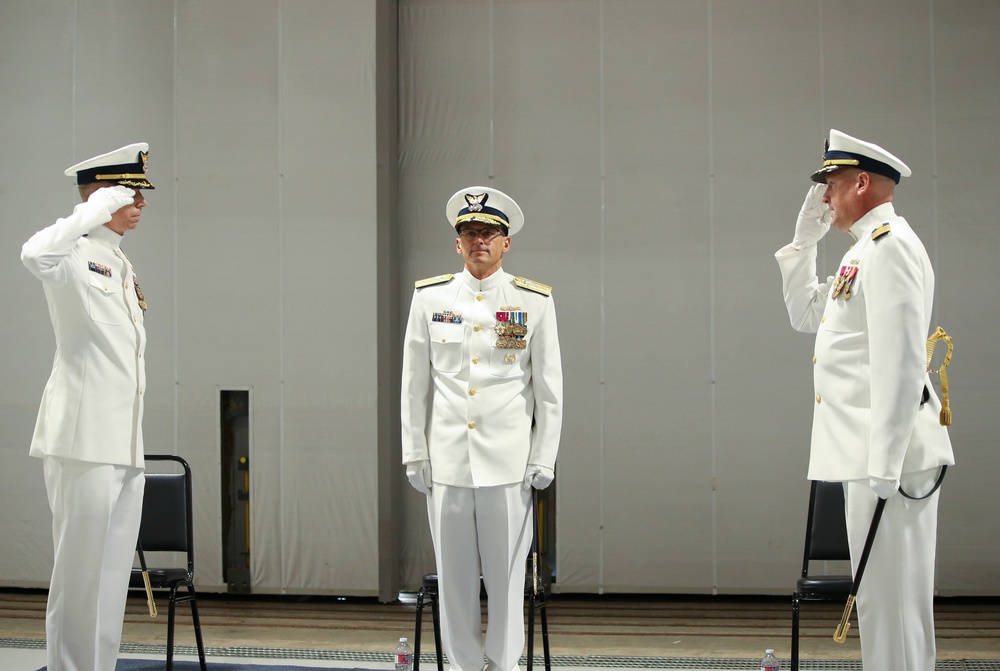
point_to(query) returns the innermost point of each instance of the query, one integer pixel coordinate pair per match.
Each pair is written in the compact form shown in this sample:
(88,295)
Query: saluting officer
(877,422)
(89,427)
(481,418)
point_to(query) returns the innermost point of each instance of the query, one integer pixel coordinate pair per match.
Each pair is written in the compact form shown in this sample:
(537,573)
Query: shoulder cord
(945,418)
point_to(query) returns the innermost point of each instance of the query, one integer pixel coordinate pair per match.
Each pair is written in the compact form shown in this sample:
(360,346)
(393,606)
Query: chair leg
(531,631)
(197,628)
(795,632)
(545,631)
(419,626)
(170,628)
(436,616)
(537,602)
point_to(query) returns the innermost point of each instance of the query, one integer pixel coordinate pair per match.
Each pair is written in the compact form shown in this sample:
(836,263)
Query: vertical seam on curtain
(491,167)
(935,222)
(176,233)
(821,253)
(713,433)
(602,256)
(73,79)
(283,527)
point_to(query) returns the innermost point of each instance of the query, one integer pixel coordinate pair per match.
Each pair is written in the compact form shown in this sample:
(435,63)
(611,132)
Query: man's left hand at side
(538,476)
(883,488)
(419,475)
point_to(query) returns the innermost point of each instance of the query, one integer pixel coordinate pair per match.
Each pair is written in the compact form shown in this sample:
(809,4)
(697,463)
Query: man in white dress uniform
(89,427)
(877,422)
(481,418)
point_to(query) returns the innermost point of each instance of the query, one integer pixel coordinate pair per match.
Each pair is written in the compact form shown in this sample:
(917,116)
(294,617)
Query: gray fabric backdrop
(303,151)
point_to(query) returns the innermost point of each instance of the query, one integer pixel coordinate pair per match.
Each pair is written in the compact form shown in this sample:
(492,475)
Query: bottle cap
(769,651)
(402,640)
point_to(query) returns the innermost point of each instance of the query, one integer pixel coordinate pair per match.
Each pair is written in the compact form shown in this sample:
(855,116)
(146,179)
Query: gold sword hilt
(841,634)
(149,594)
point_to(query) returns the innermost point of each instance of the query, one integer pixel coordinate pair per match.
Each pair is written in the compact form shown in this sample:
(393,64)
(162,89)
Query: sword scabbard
(841,634)
(149,594)
(145,578)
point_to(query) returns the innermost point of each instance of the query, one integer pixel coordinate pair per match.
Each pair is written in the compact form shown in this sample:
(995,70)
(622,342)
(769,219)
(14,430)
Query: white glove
(814,219)
(113,198)
(419,474)
(883,488)
(538,476)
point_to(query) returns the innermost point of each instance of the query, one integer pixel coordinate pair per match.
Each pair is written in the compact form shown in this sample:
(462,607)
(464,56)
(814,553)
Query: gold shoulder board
(880,231)
(532,285)
(429,281)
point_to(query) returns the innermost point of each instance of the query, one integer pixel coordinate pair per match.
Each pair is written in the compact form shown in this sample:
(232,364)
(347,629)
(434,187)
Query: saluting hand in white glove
(538,476)
(113,198)
(419,475)
(814,219)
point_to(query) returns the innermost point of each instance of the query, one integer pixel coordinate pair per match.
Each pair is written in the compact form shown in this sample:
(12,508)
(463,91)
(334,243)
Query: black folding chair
(428,594)
(826,540)
(167,526)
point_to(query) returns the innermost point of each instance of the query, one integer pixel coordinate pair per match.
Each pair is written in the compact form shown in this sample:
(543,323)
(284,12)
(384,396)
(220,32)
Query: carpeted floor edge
(429,662)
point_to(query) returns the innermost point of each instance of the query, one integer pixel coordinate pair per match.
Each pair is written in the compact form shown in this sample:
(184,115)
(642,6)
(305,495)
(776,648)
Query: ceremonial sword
(534,541)
(145,579)
(841,634)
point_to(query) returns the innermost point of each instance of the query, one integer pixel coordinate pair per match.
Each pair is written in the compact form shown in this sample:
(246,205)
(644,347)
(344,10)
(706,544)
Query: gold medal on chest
(844,283)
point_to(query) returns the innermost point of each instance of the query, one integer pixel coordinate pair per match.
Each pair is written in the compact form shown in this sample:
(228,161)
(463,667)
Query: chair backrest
(166,510)
(826,529)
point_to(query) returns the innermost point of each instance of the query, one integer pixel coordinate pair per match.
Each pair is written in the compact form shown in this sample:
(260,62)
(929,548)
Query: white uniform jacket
(481,412)
(870,357)
(91,408)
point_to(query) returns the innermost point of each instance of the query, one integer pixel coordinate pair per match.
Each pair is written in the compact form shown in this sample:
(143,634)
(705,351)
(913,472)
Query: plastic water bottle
(769,663)
(404,655)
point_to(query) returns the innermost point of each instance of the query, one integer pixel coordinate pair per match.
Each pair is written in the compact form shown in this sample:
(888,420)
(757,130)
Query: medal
(852,272)
(135,283)
(838,286)
(506,342)
(845,280)
(511,326)
(138,293)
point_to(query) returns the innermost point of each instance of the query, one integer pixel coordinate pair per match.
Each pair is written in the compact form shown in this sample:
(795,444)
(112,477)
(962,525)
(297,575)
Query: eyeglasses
(487,234)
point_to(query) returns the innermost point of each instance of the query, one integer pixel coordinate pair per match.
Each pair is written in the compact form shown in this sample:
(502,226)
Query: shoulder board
(531,285)
(880,231)
(429,281)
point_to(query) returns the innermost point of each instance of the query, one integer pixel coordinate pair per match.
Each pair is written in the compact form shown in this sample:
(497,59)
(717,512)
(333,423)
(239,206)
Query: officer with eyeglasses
(481,419)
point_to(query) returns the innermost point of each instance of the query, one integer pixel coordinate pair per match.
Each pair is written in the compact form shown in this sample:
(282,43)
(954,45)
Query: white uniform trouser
(96,510)
(481,531)
(896,598)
